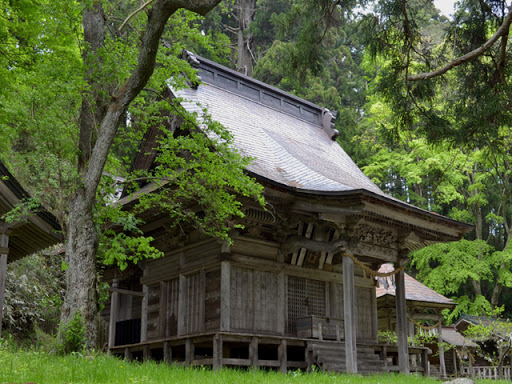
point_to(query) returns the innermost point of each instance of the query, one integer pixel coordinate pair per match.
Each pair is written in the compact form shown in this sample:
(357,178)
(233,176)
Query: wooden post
(471,370)
(385,357)
(349,313)
(167,352)
(442,364)
(146,353)
(217,352)
(375,315)
(4,251)
(225,295)
(455,362)
(127,354)
(282,356)
(253,353)
(401,322)
(189,351)
(424,361)
(114,312)
(144,314)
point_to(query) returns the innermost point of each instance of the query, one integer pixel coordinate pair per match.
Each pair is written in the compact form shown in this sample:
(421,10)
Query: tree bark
(104,118)
(245,15)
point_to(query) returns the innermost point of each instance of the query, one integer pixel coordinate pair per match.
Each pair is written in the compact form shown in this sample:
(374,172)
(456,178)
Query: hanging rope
(426,327)
(370,272)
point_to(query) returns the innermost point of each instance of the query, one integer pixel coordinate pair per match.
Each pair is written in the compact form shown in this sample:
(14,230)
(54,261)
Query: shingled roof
(292,145)
(414,290)
(290,139)
(32,234)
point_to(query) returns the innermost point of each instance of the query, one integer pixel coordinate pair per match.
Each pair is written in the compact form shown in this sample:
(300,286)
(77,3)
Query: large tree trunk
(81,247)
(245,15)
(99,121)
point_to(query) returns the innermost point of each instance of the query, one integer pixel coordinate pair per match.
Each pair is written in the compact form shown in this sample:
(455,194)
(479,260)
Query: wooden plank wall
(153,312)
(212,301)
(254,298)
(364,314)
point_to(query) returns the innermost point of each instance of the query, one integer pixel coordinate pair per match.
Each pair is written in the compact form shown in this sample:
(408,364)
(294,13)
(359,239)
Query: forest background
(441,142)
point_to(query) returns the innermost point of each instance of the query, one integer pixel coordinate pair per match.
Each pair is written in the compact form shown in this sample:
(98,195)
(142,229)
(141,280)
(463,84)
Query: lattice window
(305,297)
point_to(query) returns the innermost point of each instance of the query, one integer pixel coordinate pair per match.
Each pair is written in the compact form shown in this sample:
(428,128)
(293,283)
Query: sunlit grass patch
(18,366)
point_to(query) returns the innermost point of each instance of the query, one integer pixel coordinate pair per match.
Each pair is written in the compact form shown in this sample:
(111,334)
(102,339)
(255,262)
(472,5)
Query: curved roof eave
(465,227)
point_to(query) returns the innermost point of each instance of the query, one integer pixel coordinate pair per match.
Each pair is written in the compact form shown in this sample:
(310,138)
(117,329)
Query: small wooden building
(24,237)
(423,304)
(477,350)
(297,287)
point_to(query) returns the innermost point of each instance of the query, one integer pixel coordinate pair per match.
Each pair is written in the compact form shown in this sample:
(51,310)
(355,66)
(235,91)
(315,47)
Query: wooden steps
(331,357)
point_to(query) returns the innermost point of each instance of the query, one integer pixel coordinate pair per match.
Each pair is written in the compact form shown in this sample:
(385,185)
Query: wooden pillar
(375,315)
(442,364)
(114,312)
(167,349)
(128,354)
(470,361)
(4,251)
(225,295)
(455,362)
(253,353)
(189,351)
(424,361)
(144,314)
(349,312)
(217,352)
(401,322)
(282,356)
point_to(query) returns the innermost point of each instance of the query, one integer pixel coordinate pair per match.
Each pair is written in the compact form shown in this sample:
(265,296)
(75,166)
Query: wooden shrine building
(24,237)
(297,287)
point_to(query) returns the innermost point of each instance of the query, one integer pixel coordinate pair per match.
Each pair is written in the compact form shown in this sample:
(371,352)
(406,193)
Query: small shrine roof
(414,290)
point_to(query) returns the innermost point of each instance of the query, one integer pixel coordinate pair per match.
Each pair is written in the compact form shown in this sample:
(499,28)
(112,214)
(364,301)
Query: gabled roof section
(36,232)
(291,140)
(452,337)
(414,290)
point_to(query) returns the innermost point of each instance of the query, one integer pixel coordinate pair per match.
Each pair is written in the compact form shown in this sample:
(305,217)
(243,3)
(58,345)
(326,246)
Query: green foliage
(445,267)
(73,334)
(387,337)
(202,177)
(493,338)
(33,293)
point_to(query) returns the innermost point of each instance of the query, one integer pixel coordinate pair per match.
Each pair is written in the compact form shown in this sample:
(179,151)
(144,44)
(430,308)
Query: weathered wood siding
(171,322)
(193,318)
(153,311)
(364,314)
(254,301)
(212,301)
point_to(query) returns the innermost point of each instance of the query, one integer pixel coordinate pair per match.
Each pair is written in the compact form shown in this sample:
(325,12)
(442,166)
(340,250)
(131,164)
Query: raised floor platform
(225,349)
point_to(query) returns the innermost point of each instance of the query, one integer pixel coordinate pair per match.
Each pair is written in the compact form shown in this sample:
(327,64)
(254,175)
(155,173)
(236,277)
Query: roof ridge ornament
(328,125)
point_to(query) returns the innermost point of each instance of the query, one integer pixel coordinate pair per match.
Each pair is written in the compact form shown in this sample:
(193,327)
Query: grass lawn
(39,367)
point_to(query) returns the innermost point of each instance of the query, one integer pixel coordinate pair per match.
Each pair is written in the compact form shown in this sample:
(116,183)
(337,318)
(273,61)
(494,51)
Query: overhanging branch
(502,31)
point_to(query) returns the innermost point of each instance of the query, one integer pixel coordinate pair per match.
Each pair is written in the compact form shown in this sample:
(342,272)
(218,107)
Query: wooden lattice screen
(305,297)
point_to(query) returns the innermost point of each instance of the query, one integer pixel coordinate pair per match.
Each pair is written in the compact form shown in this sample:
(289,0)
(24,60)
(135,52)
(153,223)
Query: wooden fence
(488,372)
